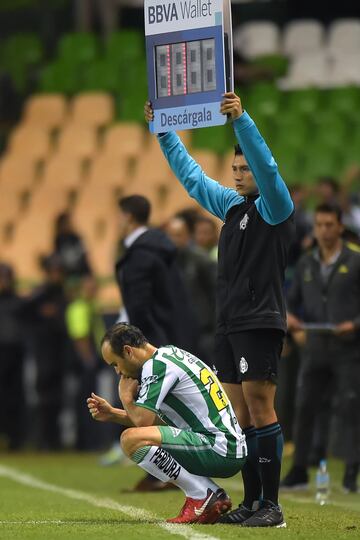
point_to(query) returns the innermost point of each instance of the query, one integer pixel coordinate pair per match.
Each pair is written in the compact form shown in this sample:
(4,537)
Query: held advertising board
(189,61)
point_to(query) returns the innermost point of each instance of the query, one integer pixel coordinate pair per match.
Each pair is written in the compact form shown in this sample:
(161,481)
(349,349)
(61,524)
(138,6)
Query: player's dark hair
(137,206)
(237,150)
(121,334)
(328,208)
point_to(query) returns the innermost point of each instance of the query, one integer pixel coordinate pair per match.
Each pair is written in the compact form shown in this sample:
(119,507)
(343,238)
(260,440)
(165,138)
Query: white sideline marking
(139,514)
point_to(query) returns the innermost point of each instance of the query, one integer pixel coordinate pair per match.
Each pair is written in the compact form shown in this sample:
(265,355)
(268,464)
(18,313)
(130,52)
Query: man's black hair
(328,208)
(121,334)
(237,150)
(138,207)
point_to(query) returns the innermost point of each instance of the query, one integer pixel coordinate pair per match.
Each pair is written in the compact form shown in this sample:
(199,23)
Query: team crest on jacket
(244,366)
(244,222)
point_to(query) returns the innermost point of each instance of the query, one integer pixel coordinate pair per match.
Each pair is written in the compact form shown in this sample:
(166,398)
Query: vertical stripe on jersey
(189,417)
(214,414)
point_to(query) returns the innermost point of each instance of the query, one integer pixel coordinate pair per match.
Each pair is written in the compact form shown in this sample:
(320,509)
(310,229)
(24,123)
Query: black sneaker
(237,516)
(296,479)
(269,515)
(350,478)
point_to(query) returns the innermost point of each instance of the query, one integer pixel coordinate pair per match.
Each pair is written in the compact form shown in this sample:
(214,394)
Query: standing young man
(251,317)
(182,427)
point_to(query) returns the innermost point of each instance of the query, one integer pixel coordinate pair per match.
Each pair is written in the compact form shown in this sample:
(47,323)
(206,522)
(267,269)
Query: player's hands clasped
(99,408)
(148,112)
(231,105)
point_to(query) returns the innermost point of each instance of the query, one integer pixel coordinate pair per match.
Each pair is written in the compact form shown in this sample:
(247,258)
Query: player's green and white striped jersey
(186,394)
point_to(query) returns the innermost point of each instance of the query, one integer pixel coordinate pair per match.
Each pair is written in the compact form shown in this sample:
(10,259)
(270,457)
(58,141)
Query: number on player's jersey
(216,394)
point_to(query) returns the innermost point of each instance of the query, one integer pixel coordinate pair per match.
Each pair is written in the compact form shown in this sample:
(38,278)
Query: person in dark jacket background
(251,314)
(44,314)
(12,353)
(326,291)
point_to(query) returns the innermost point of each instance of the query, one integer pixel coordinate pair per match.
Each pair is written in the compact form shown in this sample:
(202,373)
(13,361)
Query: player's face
(327,229)
(243,178)
(123,365)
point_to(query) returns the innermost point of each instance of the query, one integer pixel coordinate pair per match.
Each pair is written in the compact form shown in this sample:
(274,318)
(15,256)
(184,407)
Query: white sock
(160,463)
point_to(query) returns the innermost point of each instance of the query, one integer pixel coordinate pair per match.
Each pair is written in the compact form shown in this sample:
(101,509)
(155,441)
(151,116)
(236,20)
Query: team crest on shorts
(244,366)
(175,431)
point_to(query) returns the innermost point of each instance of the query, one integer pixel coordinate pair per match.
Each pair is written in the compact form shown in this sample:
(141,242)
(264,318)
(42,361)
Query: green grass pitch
(69,496)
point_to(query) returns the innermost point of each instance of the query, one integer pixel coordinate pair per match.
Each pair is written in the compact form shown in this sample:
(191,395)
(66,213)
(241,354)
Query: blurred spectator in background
(206,236)
(327,190)
(351,201)
(44,312)
(199,274)
(12,353)
(85,328)
(326,290)
(69,247)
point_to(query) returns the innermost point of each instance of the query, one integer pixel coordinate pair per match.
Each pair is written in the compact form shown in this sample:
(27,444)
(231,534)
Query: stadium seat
(306,101)
(46,111)
(322,163)
(345,69)
(49,200)
(209,162)
(257,38)
(60,76)
(125,139)
(307,70)
(17,174)
(64,170)
(292,130)
(124,47)
(102,76)
(29,142)
(93,109)
(344,100)
(225,173)
(216,139)
(344,36)
(20,53)
(78,48)
(109,170)
(303,36)
(264,99)
(77,141)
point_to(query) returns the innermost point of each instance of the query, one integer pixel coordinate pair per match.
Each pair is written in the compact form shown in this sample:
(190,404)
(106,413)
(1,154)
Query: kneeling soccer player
(182,427)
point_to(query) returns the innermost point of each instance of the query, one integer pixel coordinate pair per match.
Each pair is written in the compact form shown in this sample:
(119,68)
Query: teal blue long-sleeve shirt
(274,203)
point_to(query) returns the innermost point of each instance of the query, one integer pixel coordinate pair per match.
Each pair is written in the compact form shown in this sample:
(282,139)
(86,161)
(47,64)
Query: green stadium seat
(60,77)
(102,75)
(322,160)
(292,130)
(264,99)
(344,100)
(78,48)
(20,53)
(275,63)
(331,129)
(218,139)
(124,47)
(305,101)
